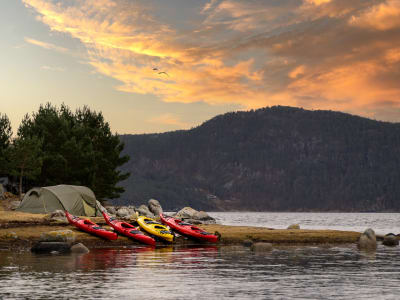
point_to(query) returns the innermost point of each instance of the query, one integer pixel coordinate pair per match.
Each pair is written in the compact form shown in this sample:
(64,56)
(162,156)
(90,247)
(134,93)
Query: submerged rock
(66,236)
(247,243)
(367,240)
(261,247)
(49,247)
(294,226)
(155,207)
(79,249)
(390,240)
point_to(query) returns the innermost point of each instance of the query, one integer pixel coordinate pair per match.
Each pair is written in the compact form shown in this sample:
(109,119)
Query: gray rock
(143,210)
(111,210)
(294,226)
(66,236)
(57,214)
(49,247)
(155,207)
(247,243)
(202,215)
(186,213)
(123,212)
(261,247)
(367,240)
(11,235)
(1,192)
(14,204)
(390,240)
(79,249)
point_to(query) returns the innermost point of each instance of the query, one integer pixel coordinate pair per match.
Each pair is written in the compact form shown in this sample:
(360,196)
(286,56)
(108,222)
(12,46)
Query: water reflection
(205,272)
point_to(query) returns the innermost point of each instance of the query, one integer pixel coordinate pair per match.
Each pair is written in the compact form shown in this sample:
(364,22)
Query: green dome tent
(78,200)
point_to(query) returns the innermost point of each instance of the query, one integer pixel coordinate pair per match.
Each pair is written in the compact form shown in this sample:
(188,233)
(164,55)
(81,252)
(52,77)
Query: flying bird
(163,73)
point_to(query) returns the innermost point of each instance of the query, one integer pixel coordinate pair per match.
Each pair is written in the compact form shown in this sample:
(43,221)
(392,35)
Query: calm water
(382,223)
(206,272)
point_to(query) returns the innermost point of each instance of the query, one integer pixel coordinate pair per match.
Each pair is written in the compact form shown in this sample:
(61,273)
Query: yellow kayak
(153,227)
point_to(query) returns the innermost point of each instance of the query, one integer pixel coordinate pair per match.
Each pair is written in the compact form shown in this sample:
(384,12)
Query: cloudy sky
(158,65)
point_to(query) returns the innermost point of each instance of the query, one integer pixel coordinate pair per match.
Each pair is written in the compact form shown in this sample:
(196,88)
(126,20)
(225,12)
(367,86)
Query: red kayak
(188,229)
(129,230)
(90,227)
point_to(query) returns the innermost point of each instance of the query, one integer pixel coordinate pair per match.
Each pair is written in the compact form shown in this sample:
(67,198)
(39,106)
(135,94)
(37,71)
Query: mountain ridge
(272,159)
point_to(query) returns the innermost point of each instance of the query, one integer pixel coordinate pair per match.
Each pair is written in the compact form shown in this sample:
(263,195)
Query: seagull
(163,73)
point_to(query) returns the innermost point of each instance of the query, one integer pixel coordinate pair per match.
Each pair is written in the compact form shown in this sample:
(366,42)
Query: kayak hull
(129,230)
(90,227)
(188,230)
(156,229)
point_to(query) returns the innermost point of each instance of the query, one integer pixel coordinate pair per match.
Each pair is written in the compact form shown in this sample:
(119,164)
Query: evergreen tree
(26,158)
(5,139)
(78,148)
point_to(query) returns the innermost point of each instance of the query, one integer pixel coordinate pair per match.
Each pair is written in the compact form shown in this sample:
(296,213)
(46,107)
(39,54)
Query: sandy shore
(21,230)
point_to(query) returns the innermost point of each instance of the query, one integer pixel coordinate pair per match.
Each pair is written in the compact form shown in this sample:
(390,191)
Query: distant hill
(270,159)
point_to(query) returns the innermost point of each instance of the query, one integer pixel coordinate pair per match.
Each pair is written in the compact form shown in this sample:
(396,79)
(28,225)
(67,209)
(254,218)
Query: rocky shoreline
(23,231)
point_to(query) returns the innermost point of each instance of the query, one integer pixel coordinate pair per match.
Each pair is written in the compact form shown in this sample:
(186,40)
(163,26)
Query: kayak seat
(97,228)
(150,222)
(135,232)
(165,232)
(185,224)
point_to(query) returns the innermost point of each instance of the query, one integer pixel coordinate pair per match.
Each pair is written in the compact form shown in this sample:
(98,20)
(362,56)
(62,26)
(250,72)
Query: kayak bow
(188,229)
(155,228)
(90,227)
(128,230)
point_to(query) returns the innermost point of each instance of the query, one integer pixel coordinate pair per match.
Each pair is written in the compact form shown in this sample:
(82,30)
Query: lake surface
(207,272)
(381,223)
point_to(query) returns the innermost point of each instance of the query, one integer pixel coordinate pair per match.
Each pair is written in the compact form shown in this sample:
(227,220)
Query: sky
(160,65)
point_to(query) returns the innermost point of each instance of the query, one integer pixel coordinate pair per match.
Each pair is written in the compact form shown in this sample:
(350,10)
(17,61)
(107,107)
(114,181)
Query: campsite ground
(21,230)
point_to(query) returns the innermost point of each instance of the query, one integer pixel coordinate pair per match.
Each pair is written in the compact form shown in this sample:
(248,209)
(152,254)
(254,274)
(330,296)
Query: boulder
(155,207)
(247,243)
(261,247)
(51,247)
(57,216)
(111,210)
(1,192)
(202,216)
(367,240)
(79,249)
(143,210)
(390,240)
(66,236)
(123,212)
(294,226)
(14,204)
(11,235)
(186,213)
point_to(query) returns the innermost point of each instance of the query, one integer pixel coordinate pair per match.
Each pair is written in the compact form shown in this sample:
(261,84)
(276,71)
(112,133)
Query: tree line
(57,146)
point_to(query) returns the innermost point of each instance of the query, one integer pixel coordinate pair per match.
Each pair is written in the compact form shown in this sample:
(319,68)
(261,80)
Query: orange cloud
(311,53)
(169,119)
(45,45)
(383,16)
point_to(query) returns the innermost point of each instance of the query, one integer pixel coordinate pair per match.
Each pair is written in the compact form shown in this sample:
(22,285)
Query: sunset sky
(210,56)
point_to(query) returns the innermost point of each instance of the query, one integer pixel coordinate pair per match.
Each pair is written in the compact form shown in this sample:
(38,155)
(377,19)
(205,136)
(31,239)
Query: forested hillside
(275,159)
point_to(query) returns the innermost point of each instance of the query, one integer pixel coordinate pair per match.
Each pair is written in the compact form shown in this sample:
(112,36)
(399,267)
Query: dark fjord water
(205,272)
